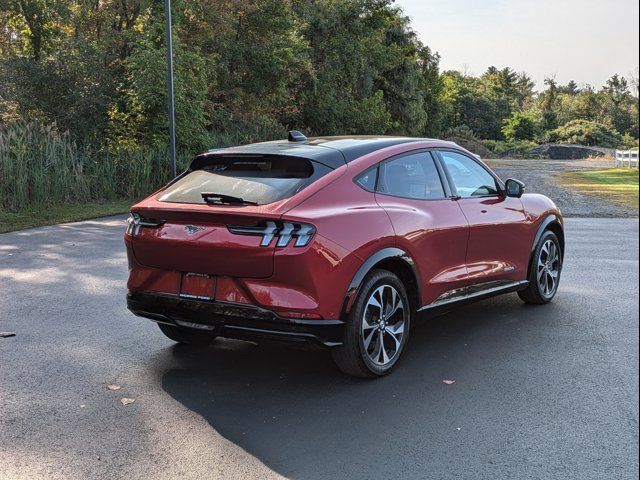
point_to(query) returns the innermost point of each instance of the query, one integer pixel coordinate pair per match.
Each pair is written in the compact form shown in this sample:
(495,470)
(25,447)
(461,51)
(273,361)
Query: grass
(51,215)
(615,185)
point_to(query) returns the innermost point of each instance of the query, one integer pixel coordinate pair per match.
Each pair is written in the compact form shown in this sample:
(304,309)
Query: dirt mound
(559,151)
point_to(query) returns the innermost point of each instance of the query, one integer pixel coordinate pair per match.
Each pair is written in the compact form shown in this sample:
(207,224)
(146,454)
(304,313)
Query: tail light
(300,233)
(136,221)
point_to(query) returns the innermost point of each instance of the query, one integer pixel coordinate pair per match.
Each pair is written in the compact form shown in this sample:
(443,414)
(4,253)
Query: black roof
(331,151)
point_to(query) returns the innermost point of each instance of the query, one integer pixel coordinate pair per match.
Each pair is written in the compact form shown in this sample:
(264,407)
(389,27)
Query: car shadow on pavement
(294,411)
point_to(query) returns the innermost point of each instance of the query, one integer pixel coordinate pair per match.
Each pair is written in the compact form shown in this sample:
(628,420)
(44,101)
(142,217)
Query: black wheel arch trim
(388,253)
(549,220)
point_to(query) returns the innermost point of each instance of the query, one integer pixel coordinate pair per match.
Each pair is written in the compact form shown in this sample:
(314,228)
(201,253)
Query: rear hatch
(213,219)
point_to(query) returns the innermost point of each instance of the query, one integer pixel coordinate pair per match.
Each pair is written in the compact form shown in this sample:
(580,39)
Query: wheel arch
(550,223)
(395,260)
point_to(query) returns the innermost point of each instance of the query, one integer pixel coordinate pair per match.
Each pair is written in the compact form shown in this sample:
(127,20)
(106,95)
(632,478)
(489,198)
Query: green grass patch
(616,185)
(51,215)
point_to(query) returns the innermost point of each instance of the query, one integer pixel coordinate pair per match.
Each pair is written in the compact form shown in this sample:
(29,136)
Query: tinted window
(367,180)
(469,177)
(411,176)
(259,179)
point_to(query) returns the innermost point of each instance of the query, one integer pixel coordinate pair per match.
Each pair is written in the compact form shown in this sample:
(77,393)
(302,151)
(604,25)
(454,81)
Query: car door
(497,231)
(428,224)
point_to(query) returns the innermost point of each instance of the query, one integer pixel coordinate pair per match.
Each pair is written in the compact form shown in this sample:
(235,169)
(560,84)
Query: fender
(389,253)
(549,219)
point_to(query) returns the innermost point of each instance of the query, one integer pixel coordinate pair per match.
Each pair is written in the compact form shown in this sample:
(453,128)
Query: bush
(520,126)
(500,147)
(628,142)
(585,132)
(461,131)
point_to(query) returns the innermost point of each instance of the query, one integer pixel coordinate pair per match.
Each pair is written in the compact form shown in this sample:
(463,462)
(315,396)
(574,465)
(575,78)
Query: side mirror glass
(514,188)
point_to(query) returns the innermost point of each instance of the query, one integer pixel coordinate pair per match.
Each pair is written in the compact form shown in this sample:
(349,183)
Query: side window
(367,180)
(469,177)
(411,176)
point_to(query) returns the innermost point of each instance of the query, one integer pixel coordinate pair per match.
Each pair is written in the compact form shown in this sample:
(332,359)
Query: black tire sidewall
(376,279)
(548,235)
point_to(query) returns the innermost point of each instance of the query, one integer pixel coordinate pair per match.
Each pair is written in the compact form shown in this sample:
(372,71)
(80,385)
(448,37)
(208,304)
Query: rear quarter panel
(351,227)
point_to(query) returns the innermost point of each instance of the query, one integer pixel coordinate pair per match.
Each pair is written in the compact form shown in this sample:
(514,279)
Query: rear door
(428,223)
(497,234)
(215,220)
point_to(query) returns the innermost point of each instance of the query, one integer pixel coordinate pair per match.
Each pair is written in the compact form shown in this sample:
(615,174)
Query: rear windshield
(254,179)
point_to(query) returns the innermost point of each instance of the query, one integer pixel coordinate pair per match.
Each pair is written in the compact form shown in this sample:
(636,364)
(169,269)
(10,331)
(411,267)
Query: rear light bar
(285,231)
(136,221)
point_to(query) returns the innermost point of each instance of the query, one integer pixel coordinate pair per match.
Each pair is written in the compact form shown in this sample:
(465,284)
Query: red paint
(453,242)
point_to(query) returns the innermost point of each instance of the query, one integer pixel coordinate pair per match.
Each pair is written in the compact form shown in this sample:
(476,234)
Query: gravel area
(541,176)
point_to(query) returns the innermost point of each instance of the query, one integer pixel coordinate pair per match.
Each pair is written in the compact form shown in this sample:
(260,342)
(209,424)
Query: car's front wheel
(189,336)
(544,271)
(377,329)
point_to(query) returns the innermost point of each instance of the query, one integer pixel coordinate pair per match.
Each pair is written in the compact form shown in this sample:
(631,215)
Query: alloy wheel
(548,268)
(383,325)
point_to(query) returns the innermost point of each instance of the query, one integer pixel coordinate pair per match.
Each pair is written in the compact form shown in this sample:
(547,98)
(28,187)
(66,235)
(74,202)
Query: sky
(582,40)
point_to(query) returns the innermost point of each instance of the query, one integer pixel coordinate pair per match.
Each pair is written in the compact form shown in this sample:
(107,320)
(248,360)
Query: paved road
(540,393)
(543,176)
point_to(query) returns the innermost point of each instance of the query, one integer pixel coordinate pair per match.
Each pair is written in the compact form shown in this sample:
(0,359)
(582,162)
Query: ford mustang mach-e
(336,241)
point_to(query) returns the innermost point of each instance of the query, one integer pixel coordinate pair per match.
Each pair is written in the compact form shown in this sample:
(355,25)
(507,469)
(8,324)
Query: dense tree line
(251,69)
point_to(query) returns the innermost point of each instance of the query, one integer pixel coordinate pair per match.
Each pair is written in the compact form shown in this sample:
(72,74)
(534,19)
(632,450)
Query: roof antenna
(296,136)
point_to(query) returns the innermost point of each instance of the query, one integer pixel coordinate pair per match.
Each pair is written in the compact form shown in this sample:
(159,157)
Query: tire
(543,268)
(188,336)
(362,354)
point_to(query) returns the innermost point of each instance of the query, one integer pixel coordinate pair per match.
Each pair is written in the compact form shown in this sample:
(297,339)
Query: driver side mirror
(514,188)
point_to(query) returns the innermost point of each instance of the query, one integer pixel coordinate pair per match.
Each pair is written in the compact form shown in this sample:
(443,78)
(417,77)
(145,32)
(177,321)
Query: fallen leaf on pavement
(113,387)
(127,401)
(7,334)
(448,382)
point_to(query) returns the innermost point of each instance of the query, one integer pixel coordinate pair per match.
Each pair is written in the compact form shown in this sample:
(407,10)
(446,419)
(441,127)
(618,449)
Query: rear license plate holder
(197,286)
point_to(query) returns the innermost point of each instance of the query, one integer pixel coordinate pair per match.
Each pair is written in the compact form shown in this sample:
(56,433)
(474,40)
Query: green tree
(520,126)
(549,101)
(365,69)
(139,118)
(616,102)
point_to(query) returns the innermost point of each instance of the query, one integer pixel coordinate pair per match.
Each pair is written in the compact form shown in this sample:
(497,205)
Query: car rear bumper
(233,320)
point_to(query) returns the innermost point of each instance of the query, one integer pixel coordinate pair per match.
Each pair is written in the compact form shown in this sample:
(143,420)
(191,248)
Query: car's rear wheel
(189,336)
(544,271)
(377,328)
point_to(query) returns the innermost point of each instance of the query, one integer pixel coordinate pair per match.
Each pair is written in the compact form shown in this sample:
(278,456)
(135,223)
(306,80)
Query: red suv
(337,241)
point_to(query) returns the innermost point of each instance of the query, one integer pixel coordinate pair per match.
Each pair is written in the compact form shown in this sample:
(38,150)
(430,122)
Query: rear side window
(245,179)
(411,176)
(367,180)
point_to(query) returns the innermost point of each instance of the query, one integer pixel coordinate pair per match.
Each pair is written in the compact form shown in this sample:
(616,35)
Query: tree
(38,17)
(570,88)
(520,126)
(549,100)
(431,86)
(616,103)
(365,70)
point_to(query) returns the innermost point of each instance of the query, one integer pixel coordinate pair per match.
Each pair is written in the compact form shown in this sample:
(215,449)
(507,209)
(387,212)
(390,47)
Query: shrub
(461,131)
(585,132)
(628,142)
(500,147)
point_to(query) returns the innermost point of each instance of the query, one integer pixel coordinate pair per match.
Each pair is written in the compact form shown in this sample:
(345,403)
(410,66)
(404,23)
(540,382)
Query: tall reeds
(41,166)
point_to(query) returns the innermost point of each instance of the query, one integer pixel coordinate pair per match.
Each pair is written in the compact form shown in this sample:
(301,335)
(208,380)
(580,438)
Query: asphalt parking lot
(539,392)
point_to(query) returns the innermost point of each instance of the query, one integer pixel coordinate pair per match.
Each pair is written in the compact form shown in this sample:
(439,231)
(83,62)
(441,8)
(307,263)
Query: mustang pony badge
(191,229)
